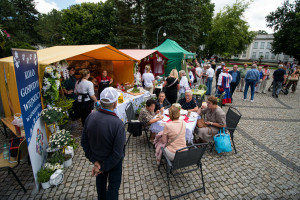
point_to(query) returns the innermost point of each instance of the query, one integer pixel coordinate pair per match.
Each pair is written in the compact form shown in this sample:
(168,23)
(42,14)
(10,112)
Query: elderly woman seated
(189,103)
(216,119)
(161,103)
(174,133)
(147,116)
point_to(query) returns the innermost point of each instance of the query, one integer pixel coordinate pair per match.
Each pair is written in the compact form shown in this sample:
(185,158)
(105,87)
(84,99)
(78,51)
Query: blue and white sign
(26,70)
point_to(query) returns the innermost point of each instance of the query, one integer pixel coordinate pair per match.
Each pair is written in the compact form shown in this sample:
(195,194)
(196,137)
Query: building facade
(261,46)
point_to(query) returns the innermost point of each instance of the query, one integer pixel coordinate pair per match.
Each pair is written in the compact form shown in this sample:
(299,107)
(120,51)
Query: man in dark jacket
(279,78)
(236,77)
(103,141)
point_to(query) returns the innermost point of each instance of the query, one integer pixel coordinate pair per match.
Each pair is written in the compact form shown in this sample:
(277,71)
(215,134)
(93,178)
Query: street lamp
(63,38)
(164,34)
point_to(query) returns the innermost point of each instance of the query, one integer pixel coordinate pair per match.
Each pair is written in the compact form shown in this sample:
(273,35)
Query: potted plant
(44,177)
(57,158)
(59,140)
(68,160)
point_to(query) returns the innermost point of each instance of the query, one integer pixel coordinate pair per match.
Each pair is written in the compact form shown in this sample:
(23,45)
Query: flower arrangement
(51,115)
(177,105)
(51,81)
(44,174)
(55,161)
(59,139)
(66,105)
(53,167)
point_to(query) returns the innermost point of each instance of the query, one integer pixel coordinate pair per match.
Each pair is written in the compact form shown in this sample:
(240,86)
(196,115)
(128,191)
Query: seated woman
(216,119)
(174,133)
(147,114)
(189,103)
(161,103)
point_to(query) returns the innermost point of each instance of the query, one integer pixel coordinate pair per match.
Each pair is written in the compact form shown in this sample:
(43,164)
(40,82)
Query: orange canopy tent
(8,86)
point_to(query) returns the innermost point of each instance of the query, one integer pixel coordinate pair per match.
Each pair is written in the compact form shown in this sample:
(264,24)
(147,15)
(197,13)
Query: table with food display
(191,122)
(134,95)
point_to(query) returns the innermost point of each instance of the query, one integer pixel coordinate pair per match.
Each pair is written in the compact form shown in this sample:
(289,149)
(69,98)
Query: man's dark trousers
(114,181)
(233,85)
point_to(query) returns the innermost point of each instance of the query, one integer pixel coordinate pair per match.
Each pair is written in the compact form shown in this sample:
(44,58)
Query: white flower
(48,69)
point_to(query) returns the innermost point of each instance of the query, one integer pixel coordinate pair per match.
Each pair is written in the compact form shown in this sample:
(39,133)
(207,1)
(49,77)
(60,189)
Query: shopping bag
(136,128)
(222,141)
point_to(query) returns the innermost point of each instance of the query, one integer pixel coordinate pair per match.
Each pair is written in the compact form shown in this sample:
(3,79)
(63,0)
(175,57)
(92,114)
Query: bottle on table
(5,152)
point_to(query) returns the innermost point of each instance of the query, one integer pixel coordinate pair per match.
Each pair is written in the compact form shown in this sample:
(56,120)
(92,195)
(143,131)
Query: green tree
(286,23)
(204,15)
(19,18)
(177,17)
(90,23)
(130,23)
(50,28)
(229,34)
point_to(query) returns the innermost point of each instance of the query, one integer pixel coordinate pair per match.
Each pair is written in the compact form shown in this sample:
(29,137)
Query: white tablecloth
(136,101)
(190,126)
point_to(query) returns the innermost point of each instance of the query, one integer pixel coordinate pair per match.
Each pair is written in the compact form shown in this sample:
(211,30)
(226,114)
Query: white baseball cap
(110,94)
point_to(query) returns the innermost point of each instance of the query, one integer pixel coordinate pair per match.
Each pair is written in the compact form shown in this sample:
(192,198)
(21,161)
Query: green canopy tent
(175,53)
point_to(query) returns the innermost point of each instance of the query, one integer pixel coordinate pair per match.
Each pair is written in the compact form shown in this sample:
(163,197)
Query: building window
(262,45)
(285,57)
(269,45)
(254,55)
(273,56)
(267,55)
(260,55)
(255,45)
(244,54)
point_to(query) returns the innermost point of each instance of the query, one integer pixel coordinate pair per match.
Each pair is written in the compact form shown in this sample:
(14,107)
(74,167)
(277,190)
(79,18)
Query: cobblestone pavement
(266,166)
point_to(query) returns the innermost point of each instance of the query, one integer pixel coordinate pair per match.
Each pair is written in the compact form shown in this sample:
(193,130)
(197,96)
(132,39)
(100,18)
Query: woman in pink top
(174,133)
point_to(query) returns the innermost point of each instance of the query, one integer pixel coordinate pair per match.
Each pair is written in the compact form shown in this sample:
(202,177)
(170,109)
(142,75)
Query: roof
(78,52)
(139,54)
(170,46)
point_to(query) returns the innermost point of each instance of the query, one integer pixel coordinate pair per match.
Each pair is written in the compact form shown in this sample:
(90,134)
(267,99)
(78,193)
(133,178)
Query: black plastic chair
(135,127)
(233,117)
(185,157)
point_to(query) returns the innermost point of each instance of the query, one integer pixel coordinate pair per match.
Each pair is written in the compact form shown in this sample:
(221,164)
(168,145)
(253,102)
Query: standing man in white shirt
(184,84)
(148,79)
(198,73)
(210,76)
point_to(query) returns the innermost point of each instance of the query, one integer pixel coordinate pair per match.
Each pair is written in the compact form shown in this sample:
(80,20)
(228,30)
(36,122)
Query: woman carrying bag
(172,86)
(86,95)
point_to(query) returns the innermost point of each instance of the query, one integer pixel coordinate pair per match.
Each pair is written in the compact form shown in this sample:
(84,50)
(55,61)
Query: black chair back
(233,117)
(130,112)
(188,156)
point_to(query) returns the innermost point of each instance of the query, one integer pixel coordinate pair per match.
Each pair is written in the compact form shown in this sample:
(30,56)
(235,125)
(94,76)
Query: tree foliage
(19,18)
(286,23)
(89,23)
(50,28)
(229,34)
(185,22)
(129,14)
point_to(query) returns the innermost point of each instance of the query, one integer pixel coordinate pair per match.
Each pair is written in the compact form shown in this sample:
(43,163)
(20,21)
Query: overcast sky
(254,15)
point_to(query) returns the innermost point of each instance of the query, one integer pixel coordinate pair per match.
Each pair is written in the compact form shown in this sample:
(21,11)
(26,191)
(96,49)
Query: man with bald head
(236,77)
